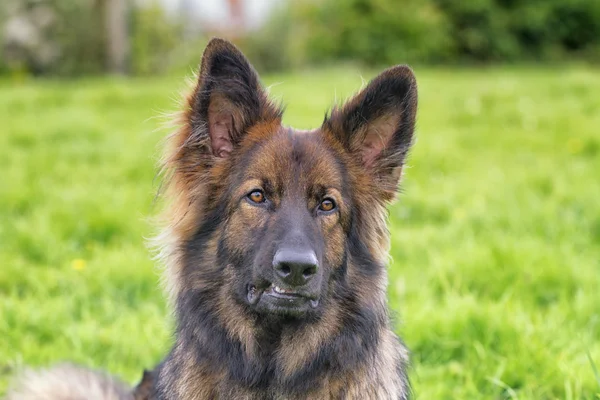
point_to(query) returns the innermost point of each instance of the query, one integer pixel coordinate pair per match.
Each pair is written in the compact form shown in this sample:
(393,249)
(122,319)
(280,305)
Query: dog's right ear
(227,101)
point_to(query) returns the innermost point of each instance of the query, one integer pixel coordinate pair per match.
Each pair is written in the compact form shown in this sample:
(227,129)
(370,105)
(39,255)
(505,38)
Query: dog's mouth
(283,297)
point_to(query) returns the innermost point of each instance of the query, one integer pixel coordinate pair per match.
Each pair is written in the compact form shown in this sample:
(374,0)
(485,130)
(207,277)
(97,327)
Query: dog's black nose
(294,267)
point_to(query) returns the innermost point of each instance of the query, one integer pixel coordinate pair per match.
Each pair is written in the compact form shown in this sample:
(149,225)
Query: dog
(276,244)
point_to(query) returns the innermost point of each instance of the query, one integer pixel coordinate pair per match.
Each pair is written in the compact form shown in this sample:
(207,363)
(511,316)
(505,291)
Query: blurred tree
(117,35)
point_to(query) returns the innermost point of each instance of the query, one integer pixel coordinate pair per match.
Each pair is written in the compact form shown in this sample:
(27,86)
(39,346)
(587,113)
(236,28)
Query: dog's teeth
(279,290)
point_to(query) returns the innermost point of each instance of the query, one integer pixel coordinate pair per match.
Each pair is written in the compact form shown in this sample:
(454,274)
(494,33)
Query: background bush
(70,38)
(154,37)
(65,37)
(496,30)
(430,31)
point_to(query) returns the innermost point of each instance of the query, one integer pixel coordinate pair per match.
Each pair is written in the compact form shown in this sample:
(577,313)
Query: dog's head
(275,220)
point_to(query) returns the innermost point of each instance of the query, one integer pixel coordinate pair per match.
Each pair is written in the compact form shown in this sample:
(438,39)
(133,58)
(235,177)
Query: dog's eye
(256,196)
(327,205)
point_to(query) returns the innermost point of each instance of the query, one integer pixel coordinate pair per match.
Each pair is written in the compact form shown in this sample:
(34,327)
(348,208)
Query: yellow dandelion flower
(78,264)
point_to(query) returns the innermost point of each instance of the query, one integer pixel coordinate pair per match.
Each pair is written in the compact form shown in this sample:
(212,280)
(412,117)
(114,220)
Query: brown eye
(257,196)
(327,205)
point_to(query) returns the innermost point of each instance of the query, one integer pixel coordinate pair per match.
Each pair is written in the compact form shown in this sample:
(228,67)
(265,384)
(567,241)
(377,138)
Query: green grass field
(496,237)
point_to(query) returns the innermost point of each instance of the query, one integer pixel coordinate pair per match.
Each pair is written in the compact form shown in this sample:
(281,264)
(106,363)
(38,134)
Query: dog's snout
(295,268)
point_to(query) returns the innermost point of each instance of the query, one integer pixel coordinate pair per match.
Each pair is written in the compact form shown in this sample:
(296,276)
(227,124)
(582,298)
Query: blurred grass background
(496,237)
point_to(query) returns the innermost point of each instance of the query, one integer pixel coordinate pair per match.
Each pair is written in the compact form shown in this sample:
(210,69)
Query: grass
(496,237)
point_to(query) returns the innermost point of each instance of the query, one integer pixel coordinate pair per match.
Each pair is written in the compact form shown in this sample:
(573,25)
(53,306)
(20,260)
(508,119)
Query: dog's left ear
(377,125)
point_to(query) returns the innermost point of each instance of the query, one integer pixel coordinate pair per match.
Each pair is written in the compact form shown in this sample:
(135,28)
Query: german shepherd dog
(276,245)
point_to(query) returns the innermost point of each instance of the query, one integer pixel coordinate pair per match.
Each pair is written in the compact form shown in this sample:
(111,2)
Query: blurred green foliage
(153,38)
(51,36)
(70,37)
(429,31)
(67,38)
(78,35)
(490,30)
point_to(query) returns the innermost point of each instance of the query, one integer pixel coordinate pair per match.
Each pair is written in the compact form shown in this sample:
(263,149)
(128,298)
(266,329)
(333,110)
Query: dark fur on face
(277,241)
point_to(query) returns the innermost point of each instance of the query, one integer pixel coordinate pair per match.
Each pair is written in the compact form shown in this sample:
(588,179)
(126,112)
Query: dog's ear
(227,100)
(377,125)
